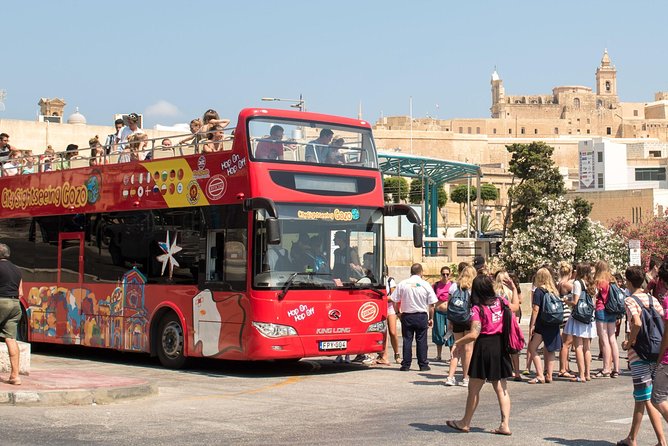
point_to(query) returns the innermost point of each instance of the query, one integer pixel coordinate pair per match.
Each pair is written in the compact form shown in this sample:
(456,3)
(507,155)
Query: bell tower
(606,77)
(498,94)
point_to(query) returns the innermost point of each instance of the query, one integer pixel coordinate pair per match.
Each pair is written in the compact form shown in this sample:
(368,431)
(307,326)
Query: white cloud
(162,109)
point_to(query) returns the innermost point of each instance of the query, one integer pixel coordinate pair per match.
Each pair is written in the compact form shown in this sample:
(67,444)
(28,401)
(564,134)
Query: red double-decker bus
(271,248)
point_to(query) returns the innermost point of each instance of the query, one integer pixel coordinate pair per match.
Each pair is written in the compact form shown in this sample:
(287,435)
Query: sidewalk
(53,382)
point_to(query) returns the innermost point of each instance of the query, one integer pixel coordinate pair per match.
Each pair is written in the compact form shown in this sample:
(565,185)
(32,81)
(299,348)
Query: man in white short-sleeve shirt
(417,300)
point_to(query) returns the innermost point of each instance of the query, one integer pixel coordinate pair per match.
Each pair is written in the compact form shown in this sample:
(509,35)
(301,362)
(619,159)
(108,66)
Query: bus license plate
(333,345)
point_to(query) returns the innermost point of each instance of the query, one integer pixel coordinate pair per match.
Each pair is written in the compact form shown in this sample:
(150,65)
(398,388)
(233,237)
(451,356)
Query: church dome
(76,118)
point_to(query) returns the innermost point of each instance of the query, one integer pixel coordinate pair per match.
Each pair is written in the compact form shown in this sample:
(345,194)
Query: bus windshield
(336,246)
(311,142)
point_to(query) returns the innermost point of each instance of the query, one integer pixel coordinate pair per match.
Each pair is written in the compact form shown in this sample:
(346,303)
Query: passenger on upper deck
(97,157)
(195,127)
(111,141)
(211,118)
(5,148)
(48,159)
(126,131)
(271,148)
(13,165)
(334,156)
(317,150)
(71,152)
(135,147)
(28,165)
(215,143)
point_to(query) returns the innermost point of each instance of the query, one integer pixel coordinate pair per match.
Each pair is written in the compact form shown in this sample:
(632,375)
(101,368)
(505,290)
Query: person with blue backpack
(581,324)
(607,311)
(645,316)
(547,314)
(459,321)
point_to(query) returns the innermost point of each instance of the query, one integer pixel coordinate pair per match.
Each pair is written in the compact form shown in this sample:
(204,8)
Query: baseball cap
(478,262)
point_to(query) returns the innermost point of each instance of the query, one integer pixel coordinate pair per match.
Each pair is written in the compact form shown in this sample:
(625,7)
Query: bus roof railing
(188,144)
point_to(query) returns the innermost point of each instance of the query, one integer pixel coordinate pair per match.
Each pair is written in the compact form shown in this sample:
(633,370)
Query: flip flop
(600,375)
(377,362)
(535,381)
(565,374)
(15,382)
(500,432)
(452,424)
(577,379)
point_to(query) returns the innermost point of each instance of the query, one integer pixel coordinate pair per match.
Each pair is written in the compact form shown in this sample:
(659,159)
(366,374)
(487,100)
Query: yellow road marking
(286,382)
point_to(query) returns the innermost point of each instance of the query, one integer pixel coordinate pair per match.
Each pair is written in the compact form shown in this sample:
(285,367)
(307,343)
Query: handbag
(512,332)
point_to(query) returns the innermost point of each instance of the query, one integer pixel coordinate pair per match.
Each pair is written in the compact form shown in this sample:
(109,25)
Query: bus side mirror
(273,231)
(417,236)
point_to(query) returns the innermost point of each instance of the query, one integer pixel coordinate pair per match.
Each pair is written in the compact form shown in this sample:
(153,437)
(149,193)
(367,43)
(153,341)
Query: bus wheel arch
(168,339)
(22,331)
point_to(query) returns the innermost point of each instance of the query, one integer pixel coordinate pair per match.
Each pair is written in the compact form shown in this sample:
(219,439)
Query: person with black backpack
(606,319)
(547,313)
(645,316)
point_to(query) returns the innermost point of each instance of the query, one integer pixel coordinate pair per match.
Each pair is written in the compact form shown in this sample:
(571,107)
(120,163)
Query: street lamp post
(297,103)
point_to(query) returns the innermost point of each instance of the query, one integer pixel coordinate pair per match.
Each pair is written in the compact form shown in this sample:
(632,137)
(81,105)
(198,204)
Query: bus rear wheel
(171,342)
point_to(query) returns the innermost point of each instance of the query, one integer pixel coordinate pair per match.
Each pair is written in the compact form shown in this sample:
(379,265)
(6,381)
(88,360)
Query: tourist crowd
(127,143)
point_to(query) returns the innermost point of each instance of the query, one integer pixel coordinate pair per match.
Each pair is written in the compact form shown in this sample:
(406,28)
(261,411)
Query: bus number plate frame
(332,345)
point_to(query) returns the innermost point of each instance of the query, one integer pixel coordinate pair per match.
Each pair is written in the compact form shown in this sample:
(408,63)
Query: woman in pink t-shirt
(439,332)
(490,360)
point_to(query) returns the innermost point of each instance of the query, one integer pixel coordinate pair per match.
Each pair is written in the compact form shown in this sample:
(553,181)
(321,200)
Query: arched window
(607,85)
(576,102)
(599,103)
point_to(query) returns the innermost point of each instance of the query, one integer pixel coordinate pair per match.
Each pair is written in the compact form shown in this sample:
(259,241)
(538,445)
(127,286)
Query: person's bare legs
(655,418)
(439,351)
(549,364)
(466,359)
(13,350)
(472,400)
(586,349)
(501,389)
(515,359)
(454,360)
(536,339)
(392,329)
(566,342)
(604,341)
(579,358)
(614,348)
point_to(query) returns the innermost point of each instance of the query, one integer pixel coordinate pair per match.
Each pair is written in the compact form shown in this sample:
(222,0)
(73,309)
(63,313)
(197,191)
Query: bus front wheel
(171,342)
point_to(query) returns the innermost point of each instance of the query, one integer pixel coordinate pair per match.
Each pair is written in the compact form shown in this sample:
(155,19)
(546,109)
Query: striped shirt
(632,309)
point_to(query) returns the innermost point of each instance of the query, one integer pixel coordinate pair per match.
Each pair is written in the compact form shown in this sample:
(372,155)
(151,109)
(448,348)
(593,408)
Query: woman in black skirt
(490,360)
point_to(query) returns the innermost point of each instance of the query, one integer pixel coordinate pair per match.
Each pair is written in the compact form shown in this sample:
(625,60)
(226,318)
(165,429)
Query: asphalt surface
(309,402)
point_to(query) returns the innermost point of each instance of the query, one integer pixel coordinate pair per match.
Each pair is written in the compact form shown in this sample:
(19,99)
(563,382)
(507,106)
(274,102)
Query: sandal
(614,374)
(453,425)
(397,358)
(566,374)
(536,381)
(602,374)
(14,381)
(577,379)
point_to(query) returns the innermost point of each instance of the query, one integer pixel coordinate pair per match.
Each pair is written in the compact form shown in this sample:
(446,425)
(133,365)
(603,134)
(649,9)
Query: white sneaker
(464,382)
(450,382)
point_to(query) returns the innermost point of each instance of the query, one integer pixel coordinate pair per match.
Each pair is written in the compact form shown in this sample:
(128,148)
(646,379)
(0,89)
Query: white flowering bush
(606,245)
(549,238)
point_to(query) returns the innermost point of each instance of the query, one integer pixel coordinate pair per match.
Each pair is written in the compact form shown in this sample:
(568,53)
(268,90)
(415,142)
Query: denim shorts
(604,316)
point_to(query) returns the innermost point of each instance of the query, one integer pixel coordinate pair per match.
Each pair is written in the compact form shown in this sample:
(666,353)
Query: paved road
(314,401)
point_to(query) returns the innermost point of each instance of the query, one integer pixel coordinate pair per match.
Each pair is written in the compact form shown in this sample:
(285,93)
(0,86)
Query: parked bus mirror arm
(393,210)
(253,204)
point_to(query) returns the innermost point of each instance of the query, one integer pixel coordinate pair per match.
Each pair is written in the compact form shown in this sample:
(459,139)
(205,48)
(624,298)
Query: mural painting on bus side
(218,323)
(77,316)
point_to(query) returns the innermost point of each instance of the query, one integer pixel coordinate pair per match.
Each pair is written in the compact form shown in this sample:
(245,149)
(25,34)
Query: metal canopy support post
(477,207)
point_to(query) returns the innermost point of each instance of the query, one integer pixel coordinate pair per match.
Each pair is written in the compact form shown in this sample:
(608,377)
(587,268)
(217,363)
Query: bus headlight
(377,327)
(274,330)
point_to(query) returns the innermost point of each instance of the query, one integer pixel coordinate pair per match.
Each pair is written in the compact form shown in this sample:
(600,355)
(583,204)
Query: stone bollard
(24,358)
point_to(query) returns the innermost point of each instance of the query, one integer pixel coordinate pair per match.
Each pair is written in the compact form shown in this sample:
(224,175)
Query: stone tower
(498,94)
(51,107)
(606,77)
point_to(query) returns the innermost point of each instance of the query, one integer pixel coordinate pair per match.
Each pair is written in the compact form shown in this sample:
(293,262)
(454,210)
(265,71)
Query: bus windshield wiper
(379,294)
(288,283)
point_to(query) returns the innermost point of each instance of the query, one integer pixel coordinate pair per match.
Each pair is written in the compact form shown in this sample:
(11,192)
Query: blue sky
(173,59)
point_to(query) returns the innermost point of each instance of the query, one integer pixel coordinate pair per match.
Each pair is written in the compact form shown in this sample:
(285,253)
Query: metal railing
(146,150)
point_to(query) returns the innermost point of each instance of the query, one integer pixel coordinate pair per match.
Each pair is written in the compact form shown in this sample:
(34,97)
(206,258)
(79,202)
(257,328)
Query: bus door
(218,313)
(69,298)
